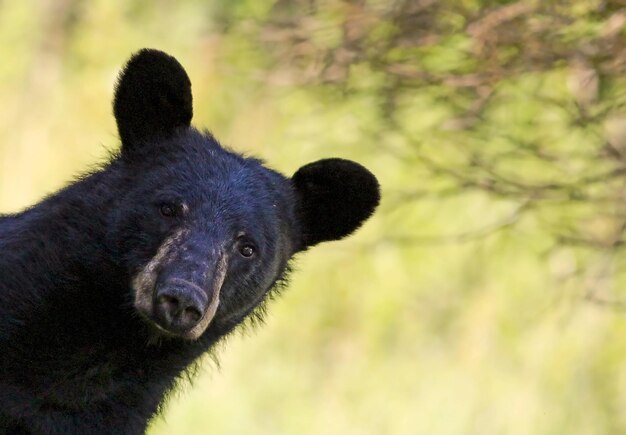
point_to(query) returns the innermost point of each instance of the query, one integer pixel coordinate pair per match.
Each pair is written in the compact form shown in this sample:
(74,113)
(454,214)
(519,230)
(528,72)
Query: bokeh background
(487,294)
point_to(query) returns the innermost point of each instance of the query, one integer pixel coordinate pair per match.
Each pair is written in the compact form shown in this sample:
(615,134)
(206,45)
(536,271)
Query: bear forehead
(193,159)
(192,168)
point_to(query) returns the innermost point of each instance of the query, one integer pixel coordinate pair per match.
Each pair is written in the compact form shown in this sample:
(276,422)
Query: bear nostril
(192,314)
(168,303)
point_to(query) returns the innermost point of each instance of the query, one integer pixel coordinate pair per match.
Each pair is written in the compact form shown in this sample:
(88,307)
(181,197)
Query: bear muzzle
(180,298)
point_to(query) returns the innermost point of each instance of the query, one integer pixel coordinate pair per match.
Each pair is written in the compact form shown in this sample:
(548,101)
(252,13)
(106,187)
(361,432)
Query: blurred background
(487,294)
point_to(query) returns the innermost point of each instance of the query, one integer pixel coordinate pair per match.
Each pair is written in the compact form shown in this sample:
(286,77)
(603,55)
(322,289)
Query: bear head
(202,232)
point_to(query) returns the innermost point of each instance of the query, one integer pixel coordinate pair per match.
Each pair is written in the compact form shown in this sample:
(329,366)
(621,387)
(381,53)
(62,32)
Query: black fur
(153,99)
(337,196)
(80,350)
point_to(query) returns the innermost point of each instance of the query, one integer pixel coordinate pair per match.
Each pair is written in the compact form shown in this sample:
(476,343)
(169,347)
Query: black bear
(113,286)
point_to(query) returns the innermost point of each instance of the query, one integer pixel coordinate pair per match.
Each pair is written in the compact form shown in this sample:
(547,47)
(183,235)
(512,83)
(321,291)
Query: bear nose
(179,308)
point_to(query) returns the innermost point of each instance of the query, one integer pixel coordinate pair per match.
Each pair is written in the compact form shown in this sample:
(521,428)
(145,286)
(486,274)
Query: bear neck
(65,233)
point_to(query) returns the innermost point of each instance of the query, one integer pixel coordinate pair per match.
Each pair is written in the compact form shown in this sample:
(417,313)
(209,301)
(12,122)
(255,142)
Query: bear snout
(179,306)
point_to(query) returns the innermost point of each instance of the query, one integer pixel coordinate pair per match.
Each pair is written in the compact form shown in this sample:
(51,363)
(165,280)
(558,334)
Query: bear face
(205,233)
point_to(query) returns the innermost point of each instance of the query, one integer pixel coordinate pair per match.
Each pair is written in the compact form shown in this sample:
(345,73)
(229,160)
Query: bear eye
(168,210)
(245,246)
(247,250)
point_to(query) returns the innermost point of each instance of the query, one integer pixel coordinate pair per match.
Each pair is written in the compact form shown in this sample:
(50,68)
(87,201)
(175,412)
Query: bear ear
(152,98)
(335,197)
